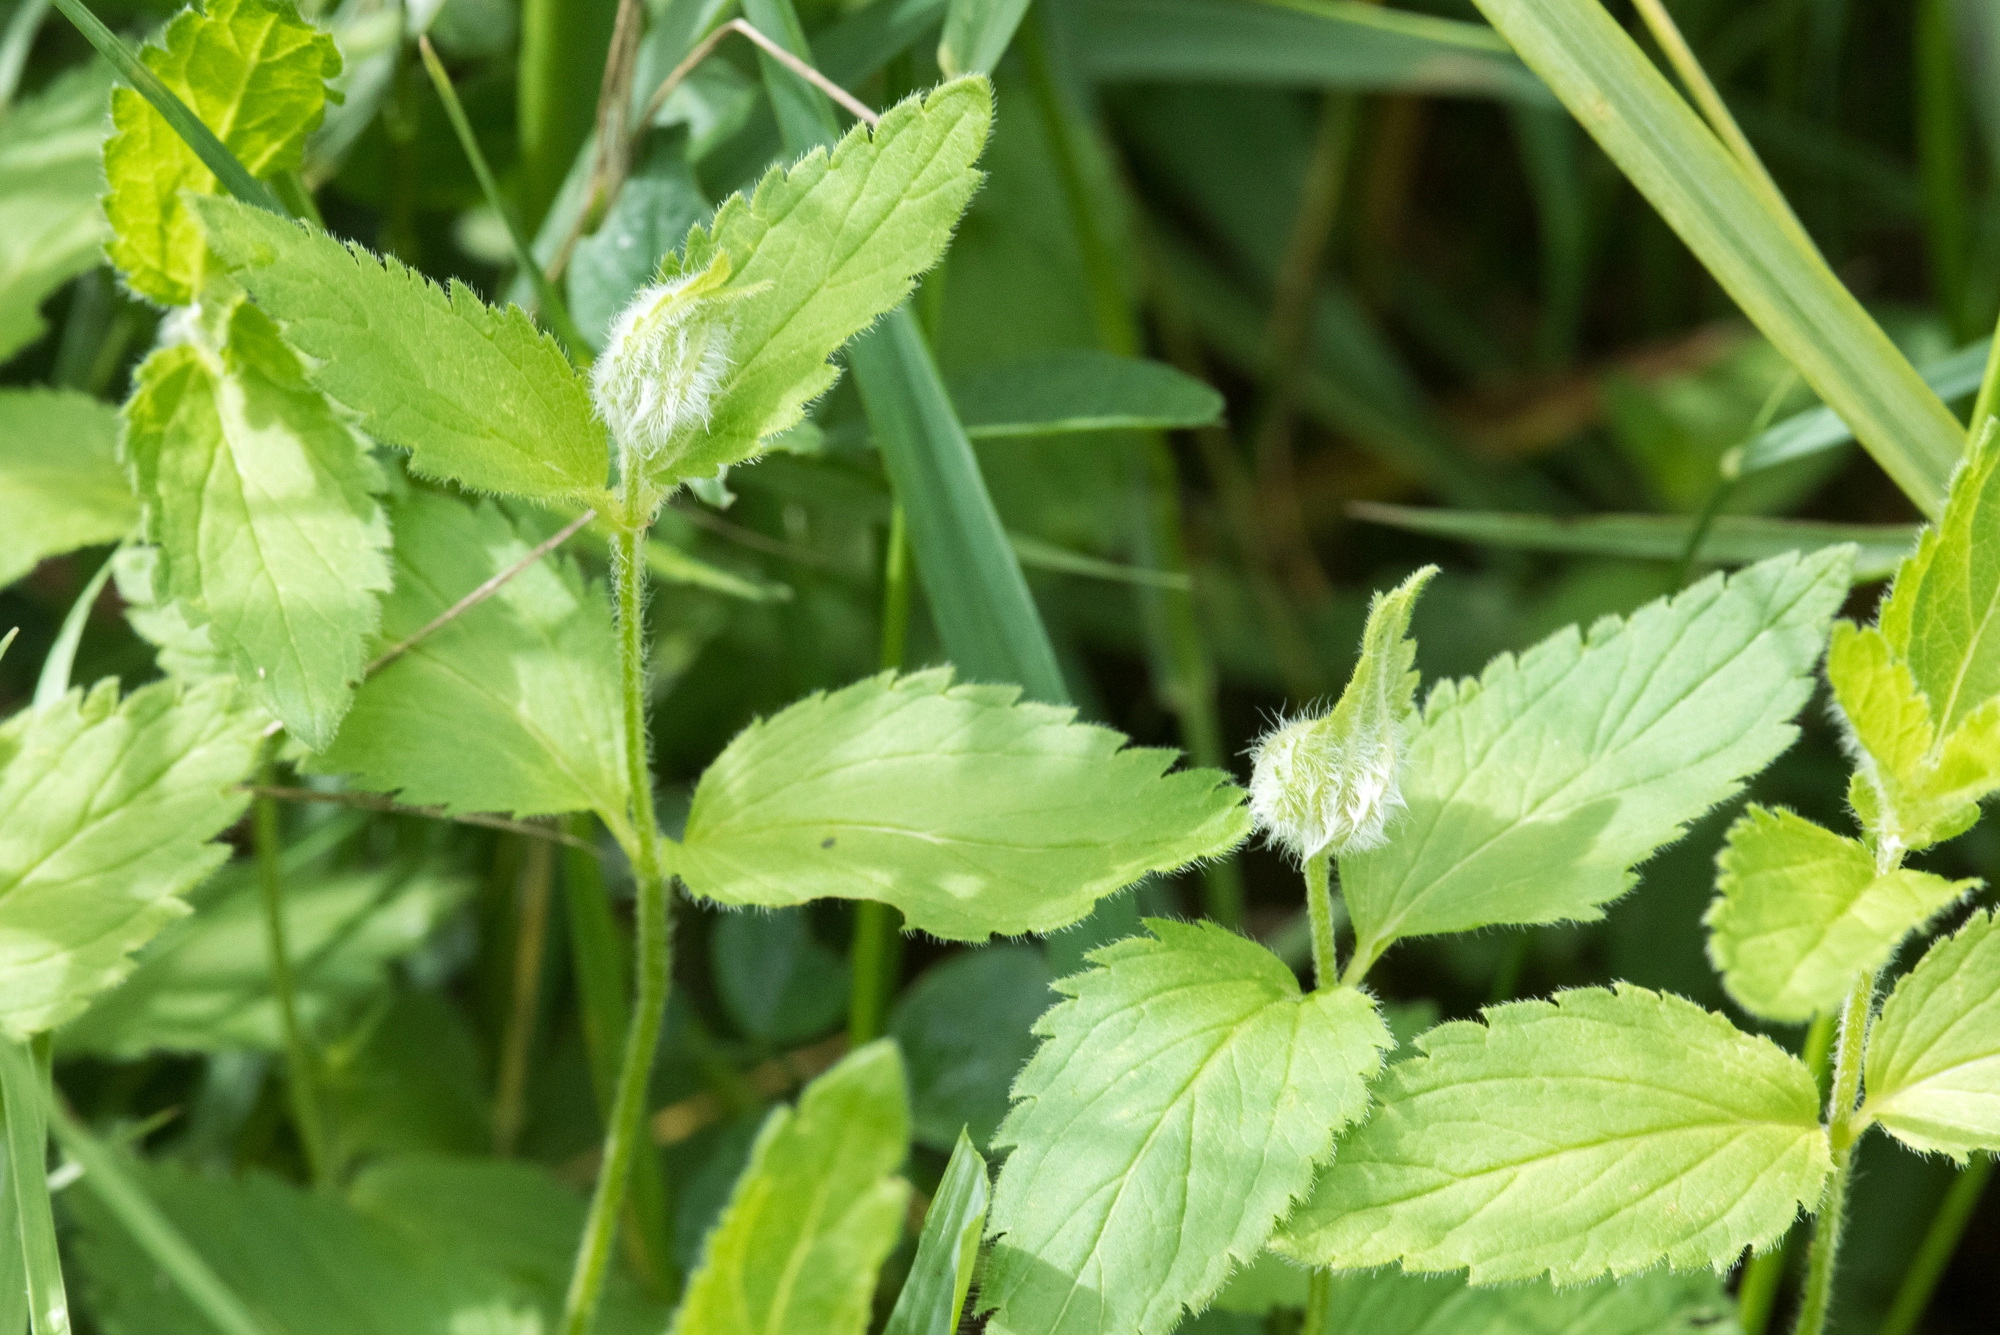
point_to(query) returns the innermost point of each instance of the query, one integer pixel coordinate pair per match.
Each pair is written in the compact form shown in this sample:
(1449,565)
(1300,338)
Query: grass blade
(934,1295)
(128,1202)
(1704,194)
(53,682)
(1731,540)
(1817,429)
(26,1110)
(233,175)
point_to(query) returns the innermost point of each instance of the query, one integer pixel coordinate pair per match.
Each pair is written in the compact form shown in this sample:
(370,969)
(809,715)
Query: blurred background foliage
(1413,279)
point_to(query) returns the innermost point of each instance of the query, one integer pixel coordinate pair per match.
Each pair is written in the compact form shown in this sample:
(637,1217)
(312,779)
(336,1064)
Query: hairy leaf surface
(1602,1132)
(1934,1055)
(262,502)
(256,75)
(106,810)
(1178,1105)
(51,174)
(819,251)
(815,1213)
(966,808)
(1801,914)
(1390,1303)
(1534,788)
(60,484)
(513,706)
(477,395)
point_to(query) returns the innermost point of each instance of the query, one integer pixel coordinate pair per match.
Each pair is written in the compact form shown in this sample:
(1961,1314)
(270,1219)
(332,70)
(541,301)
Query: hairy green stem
(1935,1252)
(1319,910)
(626,1123)
(301,1084)
(1828,1225)
(1319,1302)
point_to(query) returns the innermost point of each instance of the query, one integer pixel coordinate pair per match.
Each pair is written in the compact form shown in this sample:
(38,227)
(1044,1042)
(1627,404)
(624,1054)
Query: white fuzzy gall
(663,363)
(1316,787)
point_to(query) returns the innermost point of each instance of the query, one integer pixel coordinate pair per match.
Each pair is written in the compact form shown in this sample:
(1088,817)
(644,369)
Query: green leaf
(651,215)
(972,812)
(966,1028)
(1080,389)
(477,395)
(302,1261)
(106,810)
(977,33)
(820,251)
(1605,1131)
(205,984)
(1730,539)
(1389,1303)
(771,1267)
(1761,259)
(254,73)
(1801,914)
(181,650)
(1310,43)
(947,1252)
(57,500)
(1934,1055)
(1533,789)
(779,983)
(1942,615)
(51,225)
(263,504)
(1181,1100)
(512,706)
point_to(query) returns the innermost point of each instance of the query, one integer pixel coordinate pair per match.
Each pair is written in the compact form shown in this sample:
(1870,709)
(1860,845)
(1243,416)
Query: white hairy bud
(664,362)
(1317,787)
(1331,782)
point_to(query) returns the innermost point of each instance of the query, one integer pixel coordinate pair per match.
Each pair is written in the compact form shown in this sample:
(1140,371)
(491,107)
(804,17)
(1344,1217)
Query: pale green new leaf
(1661,1303)
(205,984)
(948,1252)
(263,504)
(1942,615)
(181,650)
(106,810)
(256,75)
(1605,1131)
(51,174)
(512,706)
(971,811)
(1533,789)
(476,394)
(815,1213)
(1801,914)
(1934,1055)
(60,484)
(820,251)
(1179,1105)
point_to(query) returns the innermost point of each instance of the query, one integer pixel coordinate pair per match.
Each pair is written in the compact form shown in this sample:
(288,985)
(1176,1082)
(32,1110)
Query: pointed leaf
(1389,1303)
(1533,789)
(55,500)
(106,810)
(511,707)
(1801,914)
(1080,389)
(947,1252)
(1181,1100)
(477,395)
(262,502)
(51,174)
(1603,1132)
(820,251)
(776,1265)
(972,812)
(256,75)
(1934,1055)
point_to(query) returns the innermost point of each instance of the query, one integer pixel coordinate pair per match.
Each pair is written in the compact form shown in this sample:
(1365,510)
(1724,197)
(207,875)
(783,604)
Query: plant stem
(875,956)
(1827,1226)
(1319,909)
(1319,1301)
(1938,1245)
(626,1122)
(300,1084)
(896,589)
(24,1103)
(1758,1292)
(530,943)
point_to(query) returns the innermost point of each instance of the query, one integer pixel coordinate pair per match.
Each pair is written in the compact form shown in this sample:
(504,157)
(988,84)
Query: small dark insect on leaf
(826,842)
